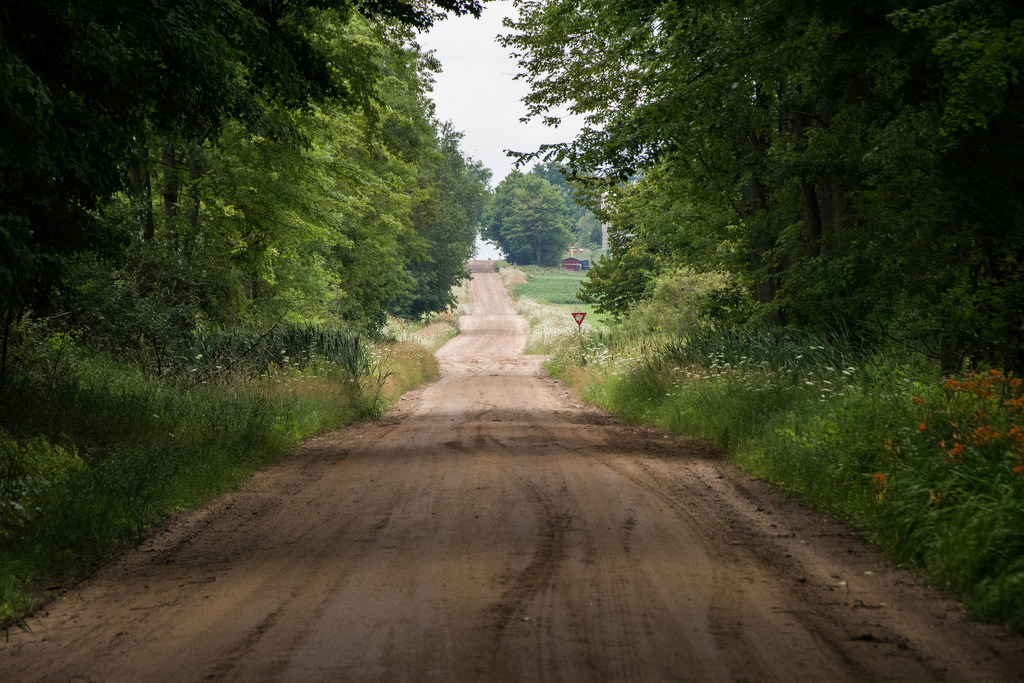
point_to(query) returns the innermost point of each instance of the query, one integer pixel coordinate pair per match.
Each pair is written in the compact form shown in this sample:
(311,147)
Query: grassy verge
(432,334)
(546,298)
(93,452)
(930,468)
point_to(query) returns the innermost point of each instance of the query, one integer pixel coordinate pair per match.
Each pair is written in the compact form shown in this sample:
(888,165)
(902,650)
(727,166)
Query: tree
(312,226)
(453,193)
(835,152)
(586,229)
(620,280)
(90,89)
(528,219)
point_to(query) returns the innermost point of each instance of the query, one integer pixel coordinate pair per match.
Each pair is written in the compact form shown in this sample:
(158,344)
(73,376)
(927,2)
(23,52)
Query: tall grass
(93,452)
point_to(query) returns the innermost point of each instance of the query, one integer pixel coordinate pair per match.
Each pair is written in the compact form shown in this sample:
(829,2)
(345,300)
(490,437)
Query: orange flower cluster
(983,413)
(881,486)
(984,388)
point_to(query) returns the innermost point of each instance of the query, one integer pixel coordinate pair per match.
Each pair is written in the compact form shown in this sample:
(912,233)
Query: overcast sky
(475,90)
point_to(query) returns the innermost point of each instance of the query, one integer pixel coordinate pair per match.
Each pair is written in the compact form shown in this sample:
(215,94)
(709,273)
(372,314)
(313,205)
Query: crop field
(556,289)
(550,285)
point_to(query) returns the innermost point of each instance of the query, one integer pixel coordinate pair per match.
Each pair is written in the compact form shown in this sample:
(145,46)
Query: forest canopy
(856,166)
(173,166)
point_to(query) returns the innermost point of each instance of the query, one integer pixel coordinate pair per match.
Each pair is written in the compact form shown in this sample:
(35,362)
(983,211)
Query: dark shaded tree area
(856,164)
(127,129)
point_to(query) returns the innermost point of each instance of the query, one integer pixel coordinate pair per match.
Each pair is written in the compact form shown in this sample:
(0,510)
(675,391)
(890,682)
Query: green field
(557,287)
(551,285)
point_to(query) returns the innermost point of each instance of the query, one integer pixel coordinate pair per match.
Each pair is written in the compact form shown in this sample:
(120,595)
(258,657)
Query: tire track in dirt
(540,572)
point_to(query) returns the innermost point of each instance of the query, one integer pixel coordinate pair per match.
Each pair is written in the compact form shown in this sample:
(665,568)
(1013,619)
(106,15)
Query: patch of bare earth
(492,528)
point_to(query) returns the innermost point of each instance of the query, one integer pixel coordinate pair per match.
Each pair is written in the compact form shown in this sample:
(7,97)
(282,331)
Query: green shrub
(29,467)
(684,300)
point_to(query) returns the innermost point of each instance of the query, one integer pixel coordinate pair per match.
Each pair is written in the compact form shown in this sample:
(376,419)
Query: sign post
(578,317)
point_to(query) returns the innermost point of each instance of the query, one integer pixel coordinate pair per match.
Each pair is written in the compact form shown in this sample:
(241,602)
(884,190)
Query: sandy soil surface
(491,528)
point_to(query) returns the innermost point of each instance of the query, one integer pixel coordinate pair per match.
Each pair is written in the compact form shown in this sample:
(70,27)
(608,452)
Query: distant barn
(571,264)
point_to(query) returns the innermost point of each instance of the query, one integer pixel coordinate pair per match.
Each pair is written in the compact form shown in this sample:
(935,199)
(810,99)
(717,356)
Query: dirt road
(490,528)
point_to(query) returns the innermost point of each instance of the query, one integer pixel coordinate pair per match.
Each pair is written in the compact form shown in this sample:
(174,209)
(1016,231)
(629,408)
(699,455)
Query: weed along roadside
(117,450)
(929,468)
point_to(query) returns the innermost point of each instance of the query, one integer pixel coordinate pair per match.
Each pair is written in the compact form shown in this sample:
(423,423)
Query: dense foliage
(855,165)
(585,227)
(167,166)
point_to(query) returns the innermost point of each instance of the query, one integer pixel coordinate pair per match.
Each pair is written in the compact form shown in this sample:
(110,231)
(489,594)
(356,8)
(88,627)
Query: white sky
(475,91)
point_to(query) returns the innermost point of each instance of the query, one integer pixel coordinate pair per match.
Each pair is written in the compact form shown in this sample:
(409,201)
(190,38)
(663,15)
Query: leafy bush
(684,300)
(28,468)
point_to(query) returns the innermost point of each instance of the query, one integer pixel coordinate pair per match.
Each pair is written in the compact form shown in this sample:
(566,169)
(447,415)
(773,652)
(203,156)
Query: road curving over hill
(492,528)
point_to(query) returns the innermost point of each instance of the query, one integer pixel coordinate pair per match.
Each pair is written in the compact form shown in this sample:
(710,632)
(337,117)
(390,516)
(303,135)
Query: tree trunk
(170,185)
(766,271)
(836,208)
(142,191)
(812,219)
(10,317)
(195,174)
(796,123)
